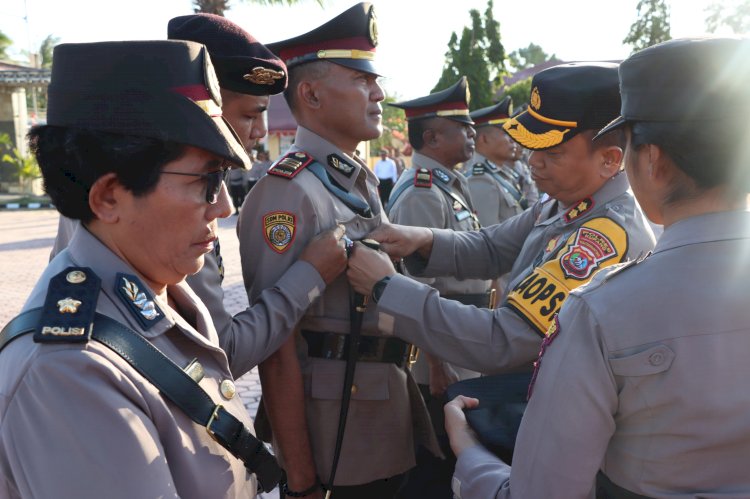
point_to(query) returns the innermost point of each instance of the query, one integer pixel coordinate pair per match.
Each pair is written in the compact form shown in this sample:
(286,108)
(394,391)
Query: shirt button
(656,359)
(227,389)
(354,389)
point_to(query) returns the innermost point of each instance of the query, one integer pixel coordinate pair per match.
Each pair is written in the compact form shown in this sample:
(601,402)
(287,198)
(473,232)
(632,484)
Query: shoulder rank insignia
(278,230)
(135,295)
(423,178)
(579,209)
(290,165)
(69,307)
(477,169)
(340,164)
(441,175)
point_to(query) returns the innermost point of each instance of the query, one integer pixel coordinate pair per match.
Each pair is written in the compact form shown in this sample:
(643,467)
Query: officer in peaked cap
(335,98)
(136,148)
(633,395)
(433,193)
(590,222)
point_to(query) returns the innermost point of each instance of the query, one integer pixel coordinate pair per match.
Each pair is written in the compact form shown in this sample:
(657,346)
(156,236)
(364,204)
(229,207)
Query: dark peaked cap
(348,39)
(494,115)
(242,63)
(451,103)
(165,90)
(689,79)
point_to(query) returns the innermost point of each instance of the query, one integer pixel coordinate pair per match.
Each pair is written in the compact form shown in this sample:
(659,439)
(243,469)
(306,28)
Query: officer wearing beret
(248,73)
(334,96)
(123,354)
(493,183)
(433,194)
(646,395)
(590,222)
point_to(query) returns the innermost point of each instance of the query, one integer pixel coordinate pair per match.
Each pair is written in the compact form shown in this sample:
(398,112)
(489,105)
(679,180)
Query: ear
(430,137)
(611,157)
(105,198)
(307,93)
(661,169)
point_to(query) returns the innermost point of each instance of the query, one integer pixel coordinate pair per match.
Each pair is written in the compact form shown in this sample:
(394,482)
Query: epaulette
(69,307)
(579,209)
(618,269)
(477,169)
(290,165)
(441,175)
(135,295)
(423,178)
(340,164)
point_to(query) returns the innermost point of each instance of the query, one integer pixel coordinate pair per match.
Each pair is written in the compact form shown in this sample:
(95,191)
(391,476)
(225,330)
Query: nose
(259,129)
(377,94)
(471,133)
(222,208)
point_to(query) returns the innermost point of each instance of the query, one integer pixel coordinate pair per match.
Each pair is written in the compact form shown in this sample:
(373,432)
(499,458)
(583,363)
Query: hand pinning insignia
(68,305)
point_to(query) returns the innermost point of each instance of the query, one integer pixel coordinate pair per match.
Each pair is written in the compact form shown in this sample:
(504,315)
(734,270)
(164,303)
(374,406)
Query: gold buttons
(75,277)
(354,389)
(227,389)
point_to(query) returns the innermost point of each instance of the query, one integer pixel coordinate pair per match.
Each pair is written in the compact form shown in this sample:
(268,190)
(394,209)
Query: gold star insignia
(582,206)
(573,213)
(68,306)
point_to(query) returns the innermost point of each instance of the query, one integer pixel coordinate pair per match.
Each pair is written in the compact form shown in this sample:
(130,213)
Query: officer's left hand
(327,253)
(366,267)
(461,436)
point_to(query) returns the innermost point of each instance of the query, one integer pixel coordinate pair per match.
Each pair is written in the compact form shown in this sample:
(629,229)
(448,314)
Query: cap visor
(364,65)
(536,135)
(616,123)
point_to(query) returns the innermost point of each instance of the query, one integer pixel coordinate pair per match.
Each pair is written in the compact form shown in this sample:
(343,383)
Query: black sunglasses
(213,182)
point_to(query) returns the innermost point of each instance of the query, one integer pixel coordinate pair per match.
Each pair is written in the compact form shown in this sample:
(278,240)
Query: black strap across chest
(354,203)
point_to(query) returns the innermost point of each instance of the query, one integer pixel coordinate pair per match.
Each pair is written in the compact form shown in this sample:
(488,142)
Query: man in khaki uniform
(82,417)
(320,182)
(433,194)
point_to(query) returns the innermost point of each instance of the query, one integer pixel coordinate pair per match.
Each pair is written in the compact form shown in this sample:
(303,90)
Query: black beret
(451,103)
(566,100)
(242,63)
(496,114)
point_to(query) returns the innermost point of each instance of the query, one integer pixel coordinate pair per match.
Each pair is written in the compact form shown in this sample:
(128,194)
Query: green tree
(736,17)
(394,119)
(479,55)
(519,92)
(5,43)
(22,167)
(651,25)
(529,57)
(45,51)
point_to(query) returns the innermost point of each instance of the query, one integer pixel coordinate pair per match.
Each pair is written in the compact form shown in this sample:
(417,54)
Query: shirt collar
(320,149)
(721,226)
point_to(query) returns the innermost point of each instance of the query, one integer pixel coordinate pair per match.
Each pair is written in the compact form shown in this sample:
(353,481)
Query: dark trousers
(237,193)
(385,187)
(379,489)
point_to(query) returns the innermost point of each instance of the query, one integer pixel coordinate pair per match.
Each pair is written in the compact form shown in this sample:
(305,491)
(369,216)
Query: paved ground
(26,238)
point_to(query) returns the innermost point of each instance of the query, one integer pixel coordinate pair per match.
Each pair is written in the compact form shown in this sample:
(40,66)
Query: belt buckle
(493,298)
(413,355)
(214,417)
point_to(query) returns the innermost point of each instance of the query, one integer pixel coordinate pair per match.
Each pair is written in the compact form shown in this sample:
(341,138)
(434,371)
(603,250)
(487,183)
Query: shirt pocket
(370,380)
(654,360)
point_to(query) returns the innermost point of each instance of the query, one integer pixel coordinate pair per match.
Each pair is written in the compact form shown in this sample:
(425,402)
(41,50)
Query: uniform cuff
(478,469)
(441,262)
(301,283)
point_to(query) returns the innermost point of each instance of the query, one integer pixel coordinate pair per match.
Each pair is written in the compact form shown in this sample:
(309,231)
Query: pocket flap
(653,360)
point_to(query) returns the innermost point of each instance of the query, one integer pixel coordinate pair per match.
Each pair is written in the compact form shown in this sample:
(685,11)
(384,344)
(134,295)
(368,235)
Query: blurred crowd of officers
(513,244)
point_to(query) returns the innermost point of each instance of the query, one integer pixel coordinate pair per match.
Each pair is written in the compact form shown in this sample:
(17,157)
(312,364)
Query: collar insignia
(263,76)
(423,178)
(441,175)
(578,210)
(135,295)
(340,164)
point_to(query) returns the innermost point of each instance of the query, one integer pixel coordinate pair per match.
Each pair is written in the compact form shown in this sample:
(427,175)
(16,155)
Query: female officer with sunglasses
(642,386)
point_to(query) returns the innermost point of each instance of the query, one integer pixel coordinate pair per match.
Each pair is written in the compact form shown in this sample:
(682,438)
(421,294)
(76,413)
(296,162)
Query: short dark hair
(309,71)
(72,159)
(416,132)
(615,138)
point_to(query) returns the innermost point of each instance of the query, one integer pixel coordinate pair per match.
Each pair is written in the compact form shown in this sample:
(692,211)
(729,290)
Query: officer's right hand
(461,436)
(403,240)
(327,253)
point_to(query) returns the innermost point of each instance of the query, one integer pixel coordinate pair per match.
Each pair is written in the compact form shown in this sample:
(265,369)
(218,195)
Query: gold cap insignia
(536,100)
(263,76)
(373,31)
(212,81)
(68,305)
(75,277)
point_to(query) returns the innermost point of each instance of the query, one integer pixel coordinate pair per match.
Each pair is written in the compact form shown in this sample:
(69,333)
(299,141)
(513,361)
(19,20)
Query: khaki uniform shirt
(492,198)
(432,207)
(646,379)
(548,253)
(76,420)
(380,432)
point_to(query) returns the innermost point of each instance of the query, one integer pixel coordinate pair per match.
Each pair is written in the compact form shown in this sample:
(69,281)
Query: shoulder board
(477,169)
(578,210)
(69,307)
(291,164)
(423,178)
(620,268)
(340,164)
(441,175)
(137,298)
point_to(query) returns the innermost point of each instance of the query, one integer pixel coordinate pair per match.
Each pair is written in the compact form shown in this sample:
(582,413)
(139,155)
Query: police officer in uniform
(496,193)
(591,222)
(642,389)
(137,150)
(334,96)
(433,194)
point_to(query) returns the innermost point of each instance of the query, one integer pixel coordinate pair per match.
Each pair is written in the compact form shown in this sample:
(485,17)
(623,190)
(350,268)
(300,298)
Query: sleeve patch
(598,243)
(290,165)
(279,228)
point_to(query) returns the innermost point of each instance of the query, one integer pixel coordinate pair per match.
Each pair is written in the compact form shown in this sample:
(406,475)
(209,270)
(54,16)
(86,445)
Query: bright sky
(413,33)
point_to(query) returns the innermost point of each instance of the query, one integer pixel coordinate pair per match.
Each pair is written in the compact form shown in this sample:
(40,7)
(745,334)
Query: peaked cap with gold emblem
(451,103)
(566,100)
(495,115)
(348,39)
(242,63)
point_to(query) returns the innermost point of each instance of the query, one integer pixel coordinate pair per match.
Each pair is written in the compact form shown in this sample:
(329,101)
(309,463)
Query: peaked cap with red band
(348,39)
(166,90)
(451,103)
(242,63)
(494,115)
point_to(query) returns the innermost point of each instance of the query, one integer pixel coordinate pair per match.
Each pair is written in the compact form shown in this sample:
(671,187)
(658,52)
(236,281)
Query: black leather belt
(333,346)
(481,300)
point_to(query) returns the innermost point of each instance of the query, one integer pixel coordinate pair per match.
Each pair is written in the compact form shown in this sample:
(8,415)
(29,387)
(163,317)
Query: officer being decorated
(120,353)
(316,378)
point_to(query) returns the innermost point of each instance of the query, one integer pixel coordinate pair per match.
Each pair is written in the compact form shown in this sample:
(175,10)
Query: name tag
(463,215)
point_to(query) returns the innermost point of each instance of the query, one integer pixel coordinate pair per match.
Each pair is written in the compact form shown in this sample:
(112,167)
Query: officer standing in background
(432,193)
(334,96)
(591,221)
(387,172)
(643,387)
